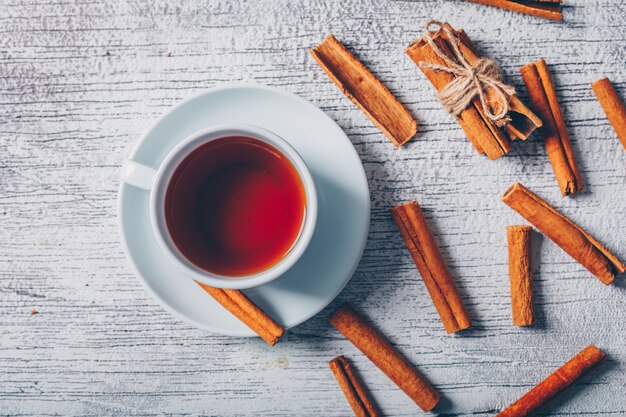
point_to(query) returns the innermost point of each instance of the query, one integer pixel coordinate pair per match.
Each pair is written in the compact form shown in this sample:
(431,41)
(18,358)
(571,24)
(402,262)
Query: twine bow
(470,80)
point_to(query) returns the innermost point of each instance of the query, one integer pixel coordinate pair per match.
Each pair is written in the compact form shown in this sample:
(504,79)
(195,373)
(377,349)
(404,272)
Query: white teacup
(156,182)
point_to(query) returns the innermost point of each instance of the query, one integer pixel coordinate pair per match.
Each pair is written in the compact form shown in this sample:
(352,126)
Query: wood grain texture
(81,80)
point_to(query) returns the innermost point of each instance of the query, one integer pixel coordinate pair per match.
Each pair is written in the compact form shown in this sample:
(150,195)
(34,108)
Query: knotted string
(470,80)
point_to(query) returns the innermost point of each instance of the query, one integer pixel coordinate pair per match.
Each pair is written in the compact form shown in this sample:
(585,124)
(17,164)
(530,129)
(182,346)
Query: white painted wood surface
(79,82)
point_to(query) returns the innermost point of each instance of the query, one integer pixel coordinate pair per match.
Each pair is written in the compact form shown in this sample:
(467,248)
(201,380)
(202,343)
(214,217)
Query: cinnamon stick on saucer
(520,276)
(352,387)
(613,107)
(431,266)
(548,9)
(245,310)
(365,90)
(543,99)
(384,356)
(563,377)
(579,244)
(490,137)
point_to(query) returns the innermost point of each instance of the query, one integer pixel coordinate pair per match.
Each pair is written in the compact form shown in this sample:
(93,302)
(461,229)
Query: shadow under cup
(235,206)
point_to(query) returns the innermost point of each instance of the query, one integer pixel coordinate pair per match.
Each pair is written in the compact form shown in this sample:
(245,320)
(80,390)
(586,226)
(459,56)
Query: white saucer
(342,226)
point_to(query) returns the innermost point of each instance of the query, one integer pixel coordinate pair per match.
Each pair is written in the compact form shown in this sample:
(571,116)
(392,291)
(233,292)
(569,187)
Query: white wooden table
(79,82)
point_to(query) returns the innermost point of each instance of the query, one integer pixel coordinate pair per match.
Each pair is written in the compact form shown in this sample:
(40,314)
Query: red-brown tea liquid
(235,206)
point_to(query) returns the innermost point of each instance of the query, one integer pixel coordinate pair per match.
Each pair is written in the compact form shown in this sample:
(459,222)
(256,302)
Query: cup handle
(138,175)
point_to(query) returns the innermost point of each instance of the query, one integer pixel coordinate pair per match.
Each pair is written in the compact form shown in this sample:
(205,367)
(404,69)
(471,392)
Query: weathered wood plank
(79,82)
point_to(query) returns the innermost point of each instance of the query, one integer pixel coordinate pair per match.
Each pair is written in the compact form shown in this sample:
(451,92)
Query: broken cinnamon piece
(365,90)
(562,378)
(489,136)
(613,107)
(387,358)
(520,276)
(544,101)
(579,244)
(543,8)
(352,387)
(431,266)
(249,313)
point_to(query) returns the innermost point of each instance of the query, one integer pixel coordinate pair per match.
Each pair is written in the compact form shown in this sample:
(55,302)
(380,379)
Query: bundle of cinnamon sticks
(442,56)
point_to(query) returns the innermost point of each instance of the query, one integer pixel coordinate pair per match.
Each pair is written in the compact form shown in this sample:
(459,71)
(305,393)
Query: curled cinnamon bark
(245,310)
(384,356)
(613,107)
(548,9)
(520,276)
(563,377)
(352,387)
(365,90)
(544,101)
(579,244)
(431,266)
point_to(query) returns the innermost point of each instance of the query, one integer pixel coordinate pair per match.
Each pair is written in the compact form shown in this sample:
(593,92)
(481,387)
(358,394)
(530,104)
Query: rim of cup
(161,181)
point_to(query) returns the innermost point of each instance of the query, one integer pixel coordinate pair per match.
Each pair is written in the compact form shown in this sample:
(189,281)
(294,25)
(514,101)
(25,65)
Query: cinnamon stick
(542,8)
(579,244)
(488,137)
(520,276)
(543,99)
(431,266)
(613,107)
(352,387)
(245,310)
(365,90)
(563,377)
(387,358)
